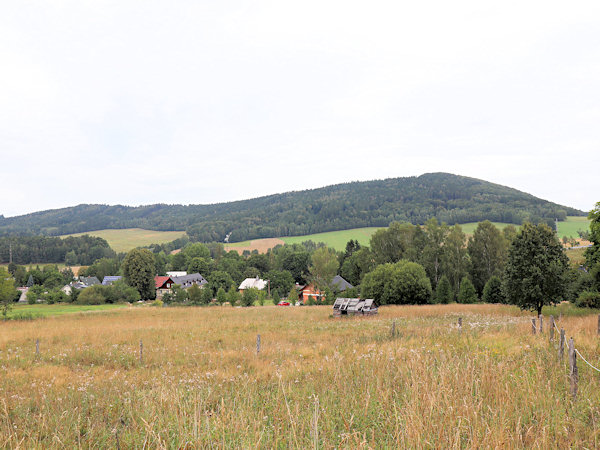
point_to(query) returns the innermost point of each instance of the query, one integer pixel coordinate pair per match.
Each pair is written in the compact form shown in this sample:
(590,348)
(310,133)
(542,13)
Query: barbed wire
(576,351)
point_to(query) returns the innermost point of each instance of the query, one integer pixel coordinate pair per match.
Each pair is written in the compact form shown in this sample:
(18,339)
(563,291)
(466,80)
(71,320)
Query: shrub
(249,296)
(588,299)
(158,303)
(221,296)
(91,296)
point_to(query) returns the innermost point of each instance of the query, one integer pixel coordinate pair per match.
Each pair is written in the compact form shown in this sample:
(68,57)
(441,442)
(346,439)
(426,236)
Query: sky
(195,102)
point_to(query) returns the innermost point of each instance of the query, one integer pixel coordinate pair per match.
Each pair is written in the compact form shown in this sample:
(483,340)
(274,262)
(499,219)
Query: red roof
(160,281)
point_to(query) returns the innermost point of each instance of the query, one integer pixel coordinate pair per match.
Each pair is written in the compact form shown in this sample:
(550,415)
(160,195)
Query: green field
(37,311)
(573,224)
(335,239)
(126,239)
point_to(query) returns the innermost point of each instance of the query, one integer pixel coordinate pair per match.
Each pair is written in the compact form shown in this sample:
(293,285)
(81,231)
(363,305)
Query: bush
(158,303)
(221,296)
(35,293)
(492,291)
(588,299)
(467,292)
(91,296)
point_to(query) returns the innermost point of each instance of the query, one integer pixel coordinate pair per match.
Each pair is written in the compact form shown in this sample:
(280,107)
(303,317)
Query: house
(23,290)
(89,281)
(187,281)
(338,284)
(177,273)
(306,291)
(110,279)
(256,283)
(354,306)
(69,287)
(163,285)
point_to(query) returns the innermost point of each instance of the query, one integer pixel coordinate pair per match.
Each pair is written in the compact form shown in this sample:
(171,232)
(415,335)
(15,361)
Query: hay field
(318,382)
(129,238)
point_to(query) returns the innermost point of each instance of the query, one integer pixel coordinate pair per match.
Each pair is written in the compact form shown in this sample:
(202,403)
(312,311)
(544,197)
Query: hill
(449,198)
(123,240)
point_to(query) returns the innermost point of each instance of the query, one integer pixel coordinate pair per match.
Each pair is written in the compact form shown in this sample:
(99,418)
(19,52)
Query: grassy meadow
(129,238)
(572,225)
(44,310)
(317,382)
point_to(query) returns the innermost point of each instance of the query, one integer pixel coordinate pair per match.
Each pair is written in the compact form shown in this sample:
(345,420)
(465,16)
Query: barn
(354,306)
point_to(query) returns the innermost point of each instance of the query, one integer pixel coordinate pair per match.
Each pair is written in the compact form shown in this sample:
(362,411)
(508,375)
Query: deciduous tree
(138,269)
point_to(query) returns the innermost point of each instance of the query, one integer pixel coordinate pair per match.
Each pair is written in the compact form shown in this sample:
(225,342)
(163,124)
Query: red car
(283,303)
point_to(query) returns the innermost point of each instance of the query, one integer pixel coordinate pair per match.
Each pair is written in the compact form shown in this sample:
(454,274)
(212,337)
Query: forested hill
(449,198)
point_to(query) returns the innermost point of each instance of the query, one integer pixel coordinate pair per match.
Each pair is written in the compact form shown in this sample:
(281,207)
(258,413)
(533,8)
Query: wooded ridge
(447,197)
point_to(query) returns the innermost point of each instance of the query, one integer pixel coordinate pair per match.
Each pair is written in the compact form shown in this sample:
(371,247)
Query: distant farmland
(126,239)
(572,225)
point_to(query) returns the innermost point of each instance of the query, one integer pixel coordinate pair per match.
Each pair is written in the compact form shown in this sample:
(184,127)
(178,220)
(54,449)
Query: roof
(188,280)
(89,281)
(339,284)
(110,279)
(160,281)
(177,273)
(253,283)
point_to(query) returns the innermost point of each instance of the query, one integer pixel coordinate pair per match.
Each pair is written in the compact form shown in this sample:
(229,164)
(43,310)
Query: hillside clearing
(317,382)
(126,239)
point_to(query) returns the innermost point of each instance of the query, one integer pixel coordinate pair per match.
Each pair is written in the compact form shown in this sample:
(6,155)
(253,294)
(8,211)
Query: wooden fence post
(141,353)
(574,374)
(393,332)
(257,344)
(551,328)
(561,344)
(37,348)
(532,326)
(541,323)
(460,323)
(598,323)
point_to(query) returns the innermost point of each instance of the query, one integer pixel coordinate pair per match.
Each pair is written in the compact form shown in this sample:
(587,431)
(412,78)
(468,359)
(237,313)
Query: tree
(280,280)
(390,245)
(466,292)
(195,294)
(7,291)
(404,282)
(433,252)
(455,260)
(233,296)
(219,279)
(207,295)
(536,269)
(293,295)
(357,265)
(138,269)
(249,297)
(487,249)
(492,292)
(592,254)
(443,291)
(199,265)
(221,296)
(324,267)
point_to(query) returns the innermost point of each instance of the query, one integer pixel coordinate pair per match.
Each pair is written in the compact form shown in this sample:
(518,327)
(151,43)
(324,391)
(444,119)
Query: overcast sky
(139,102)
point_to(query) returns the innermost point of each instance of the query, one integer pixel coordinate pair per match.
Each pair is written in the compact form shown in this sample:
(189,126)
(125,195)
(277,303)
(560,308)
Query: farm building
(187,281)
(353,306)
(163,285)
(256,283)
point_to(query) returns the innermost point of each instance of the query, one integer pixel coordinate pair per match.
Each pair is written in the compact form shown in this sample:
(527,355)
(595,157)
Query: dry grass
(318,381)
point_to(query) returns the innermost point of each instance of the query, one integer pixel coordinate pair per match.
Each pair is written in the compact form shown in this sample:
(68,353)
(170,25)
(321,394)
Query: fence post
(532,326)
(598,323)
(37,348)
(541,323)
(551,328)
(460,323)
(574,374)
(393,332)
(561,344)
(141,353)
(257,344)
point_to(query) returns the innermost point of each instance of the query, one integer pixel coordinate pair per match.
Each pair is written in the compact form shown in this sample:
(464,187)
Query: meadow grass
(572,225)
(318,382)
(335,239)
(129,238)
(43,310)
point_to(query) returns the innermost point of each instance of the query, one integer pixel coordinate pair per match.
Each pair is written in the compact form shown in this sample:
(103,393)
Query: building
(163,285)
(306,291)
(256,283)
(89,281)
(354,306)
(187,281)
(110,279)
